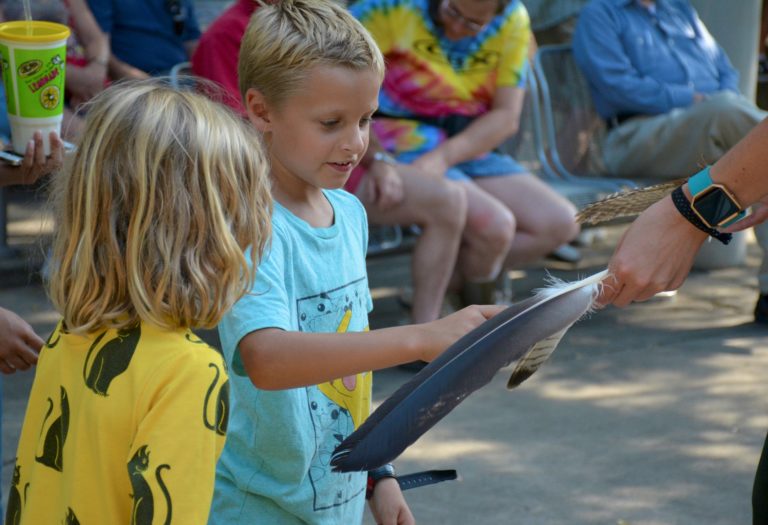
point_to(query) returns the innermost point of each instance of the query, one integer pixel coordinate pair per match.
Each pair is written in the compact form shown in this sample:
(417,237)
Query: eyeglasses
(467,23)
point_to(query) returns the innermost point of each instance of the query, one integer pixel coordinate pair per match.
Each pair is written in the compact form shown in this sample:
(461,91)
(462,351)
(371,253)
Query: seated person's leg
(438,207)
(678,143)
(545,220)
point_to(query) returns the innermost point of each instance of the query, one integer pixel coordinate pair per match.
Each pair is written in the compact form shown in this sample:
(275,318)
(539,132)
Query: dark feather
(464,367)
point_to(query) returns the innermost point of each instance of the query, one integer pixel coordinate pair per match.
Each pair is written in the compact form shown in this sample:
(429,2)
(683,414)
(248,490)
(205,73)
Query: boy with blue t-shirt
(298,346)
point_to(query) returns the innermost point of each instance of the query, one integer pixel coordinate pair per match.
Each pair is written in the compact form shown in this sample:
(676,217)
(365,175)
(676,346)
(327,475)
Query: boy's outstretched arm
(276,359)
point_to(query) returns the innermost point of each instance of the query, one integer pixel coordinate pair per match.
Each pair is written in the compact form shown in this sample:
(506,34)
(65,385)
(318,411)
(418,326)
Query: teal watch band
(702,181)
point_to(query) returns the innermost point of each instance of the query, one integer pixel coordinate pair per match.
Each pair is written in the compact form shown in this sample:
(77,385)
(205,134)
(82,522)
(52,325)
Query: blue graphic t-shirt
(275,467)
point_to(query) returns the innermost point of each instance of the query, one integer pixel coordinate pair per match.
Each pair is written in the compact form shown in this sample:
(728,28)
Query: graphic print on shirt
(54,338)
(15,502)
(336,407)
(220,417)
(111,360)
(143,502)
(56,435)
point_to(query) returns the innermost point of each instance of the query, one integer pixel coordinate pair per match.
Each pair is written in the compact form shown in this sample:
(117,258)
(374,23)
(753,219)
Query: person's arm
(657,251)
(85,82)
(388,505)
(35,163)
(277,359)
(19,344)
(599,51)
(481,136)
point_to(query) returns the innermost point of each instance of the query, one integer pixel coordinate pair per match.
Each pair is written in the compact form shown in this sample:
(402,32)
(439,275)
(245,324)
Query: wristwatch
(376,475)
(384,157)
(713,203)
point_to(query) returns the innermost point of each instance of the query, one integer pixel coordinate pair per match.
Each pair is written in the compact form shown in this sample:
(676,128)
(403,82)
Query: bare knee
(492,227)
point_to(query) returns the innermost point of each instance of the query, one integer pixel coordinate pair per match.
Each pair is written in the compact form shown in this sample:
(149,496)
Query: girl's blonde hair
(166,191)
(285,40)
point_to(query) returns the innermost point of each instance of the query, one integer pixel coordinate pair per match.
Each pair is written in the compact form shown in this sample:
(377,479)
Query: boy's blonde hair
(165,192)
(285,40)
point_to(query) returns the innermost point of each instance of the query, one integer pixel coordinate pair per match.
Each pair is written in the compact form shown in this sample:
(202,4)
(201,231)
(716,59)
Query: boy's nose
(356,141)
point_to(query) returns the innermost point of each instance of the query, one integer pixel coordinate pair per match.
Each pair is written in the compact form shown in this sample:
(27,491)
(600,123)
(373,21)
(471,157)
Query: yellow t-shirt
(121,427)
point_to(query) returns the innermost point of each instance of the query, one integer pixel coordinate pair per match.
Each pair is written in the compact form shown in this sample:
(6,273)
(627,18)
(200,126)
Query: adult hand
(433,163)
(19,344)
(655,254)
(388,505)
(699,97)
(758,216)
(35,164)
(385,188)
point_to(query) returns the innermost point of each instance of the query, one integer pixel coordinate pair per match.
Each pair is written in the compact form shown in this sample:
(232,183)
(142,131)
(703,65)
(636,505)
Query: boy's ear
(257,109)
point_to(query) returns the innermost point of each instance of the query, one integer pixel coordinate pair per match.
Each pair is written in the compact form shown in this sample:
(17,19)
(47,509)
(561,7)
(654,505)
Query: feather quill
(625,203)
(467,365)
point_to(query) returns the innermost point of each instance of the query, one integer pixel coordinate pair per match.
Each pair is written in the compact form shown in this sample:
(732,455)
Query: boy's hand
(388,505)
(19,344)
(444,332)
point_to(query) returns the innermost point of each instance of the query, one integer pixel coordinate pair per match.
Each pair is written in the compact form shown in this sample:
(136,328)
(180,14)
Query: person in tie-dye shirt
(452,93)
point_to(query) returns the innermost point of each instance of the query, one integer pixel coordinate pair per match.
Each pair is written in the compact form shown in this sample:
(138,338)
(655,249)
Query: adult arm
(657,251)
(276,359)
(481,136)
(599,52)
(84,82)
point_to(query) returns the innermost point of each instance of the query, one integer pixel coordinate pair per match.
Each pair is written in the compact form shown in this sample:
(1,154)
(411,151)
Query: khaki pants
(681,142)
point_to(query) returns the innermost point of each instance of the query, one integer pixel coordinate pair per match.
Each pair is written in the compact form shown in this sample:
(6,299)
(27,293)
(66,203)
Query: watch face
(715,207)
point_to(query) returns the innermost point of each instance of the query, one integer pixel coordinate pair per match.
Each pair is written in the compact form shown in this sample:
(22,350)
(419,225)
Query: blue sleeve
(265,306)
(102,11)
(192,28)
(599,53)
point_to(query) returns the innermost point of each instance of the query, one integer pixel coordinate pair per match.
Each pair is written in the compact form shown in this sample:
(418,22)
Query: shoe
(761,309)
(566,253)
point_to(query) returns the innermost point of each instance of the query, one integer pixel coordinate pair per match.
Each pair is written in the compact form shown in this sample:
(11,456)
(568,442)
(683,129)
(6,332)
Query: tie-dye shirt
(429,76)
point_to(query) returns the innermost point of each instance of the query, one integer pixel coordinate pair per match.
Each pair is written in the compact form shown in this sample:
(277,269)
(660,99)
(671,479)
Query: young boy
(310,75)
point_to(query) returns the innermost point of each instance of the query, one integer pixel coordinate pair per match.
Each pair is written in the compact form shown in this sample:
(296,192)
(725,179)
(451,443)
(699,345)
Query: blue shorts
(489,165)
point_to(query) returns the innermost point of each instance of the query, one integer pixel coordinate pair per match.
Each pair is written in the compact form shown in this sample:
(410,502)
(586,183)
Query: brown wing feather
(625,203)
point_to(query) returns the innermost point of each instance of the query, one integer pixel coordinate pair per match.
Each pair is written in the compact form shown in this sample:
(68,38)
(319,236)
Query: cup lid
(41,32)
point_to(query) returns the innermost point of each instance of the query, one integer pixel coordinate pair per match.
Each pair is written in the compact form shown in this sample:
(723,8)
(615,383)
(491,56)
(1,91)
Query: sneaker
(761,309)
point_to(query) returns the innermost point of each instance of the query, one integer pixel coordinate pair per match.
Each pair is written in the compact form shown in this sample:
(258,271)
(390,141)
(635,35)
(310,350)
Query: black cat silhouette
(15,503)
(51,342)
(221,417)
(143,503)
(111,360)
(53,445)
(70,518)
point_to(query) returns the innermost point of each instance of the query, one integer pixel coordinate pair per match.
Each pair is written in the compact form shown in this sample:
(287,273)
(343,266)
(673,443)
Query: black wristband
(684,207)
(376,475)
